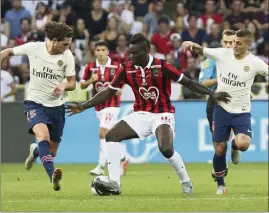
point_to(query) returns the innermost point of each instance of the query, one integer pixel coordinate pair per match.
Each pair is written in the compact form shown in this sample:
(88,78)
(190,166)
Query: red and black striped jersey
(151,86)
(104,78)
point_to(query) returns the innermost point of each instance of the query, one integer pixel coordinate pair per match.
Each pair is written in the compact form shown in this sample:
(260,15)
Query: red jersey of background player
(104,78)
(151,85)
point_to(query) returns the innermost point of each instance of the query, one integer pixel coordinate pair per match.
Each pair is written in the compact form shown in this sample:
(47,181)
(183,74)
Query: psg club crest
(246,68)
(60,63)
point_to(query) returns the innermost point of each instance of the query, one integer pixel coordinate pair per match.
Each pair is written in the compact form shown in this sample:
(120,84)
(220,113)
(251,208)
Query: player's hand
(94,77)
(188,45)
(74,108)
(221,96)
(59,89)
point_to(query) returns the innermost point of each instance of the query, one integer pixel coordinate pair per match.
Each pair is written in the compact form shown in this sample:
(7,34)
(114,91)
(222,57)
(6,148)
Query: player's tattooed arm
(99,98)
(189,45)
(5,54)
(201,89)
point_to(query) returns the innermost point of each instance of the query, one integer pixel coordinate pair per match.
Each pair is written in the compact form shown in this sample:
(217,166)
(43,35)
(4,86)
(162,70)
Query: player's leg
(99,169)
(132,126)
(242,130)
(39,121)
(164,131)
(57,118)
(221,132)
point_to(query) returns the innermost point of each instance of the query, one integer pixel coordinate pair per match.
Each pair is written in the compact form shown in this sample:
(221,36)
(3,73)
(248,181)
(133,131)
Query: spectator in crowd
(180,57)
(261,19)
(8,87)
(212,40)
(121,53)
(122,11)
(13,18)
(257,39)
(236,20)
(110,35)
(81,36)
(210,16)
(140,8)
(193,33)
(161,39)
(154,53)
(41,16)
(192,72)
(88,53)
(96,21)
(27,34)
(151,19)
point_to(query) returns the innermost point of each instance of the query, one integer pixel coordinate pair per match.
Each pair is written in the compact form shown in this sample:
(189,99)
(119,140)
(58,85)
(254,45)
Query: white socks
(177,163)
(114,154)
(102,154)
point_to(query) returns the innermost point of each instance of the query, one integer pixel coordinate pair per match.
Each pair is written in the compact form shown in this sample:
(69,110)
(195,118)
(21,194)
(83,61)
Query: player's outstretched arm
(99,98)
(201,89)
(189,45)
(5,54)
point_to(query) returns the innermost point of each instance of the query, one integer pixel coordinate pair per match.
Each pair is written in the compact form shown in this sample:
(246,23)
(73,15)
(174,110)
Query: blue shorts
(54,117)
(224,121)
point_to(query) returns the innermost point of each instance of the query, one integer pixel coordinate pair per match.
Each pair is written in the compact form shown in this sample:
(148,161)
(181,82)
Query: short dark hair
(26,19)
(244,33)
(58,31)
(228,32)
(139,38)
(163,19)
(191,16)
(101,43)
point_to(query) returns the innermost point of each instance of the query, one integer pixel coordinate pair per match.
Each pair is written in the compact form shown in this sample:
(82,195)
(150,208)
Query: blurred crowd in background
(165,23)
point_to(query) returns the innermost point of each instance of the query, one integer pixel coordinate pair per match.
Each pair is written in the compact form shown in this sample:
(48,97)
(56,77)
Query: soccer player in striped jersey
(50,63)
(99,73)
(150,80)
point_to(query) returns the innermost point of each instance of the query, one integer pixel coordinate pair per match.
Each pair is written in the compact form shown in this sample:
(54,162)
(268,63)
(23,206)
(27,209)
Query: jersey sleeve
(207,70)
(261,67)
(24,49)
(119,79)
(171,72)
(214,53)
(70,64)
(87,73)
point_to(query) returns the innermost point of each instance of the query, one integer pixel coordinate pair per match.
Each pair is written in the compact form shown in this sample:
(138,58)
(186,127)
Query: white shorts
(108,117)
(146,123)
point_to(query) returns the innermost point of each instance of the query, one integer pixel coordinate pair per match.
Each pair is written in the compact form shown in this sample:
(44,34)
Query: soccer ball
(95,190)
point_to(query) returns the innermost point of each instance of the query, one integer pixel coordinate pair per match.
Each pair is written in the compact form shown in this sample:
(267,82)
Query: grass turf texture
(146,187)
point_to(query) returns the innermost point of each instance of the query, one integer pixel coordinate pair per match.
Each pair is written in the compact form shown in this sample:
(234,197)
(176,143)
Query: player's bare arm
(85,84)
(209,82)
(6,53)
(69,86)
(99,98)
(201,89)
(189,45)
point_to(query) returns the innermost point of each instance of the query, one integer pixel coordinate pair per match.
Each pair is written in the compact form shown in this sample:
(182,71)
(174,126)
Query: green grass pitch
(146,187)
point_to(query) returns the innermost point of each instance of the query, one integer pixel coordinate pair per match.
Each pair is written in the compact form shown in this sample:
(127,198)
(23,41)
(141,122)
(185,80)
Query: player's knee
(243,142)
(220,148)
(42,136)
(53,152)
(167,151)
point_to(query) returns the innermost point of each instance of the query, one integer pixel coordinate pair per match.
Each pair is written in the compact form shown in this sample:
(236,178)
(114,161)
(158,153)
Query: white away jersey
(46,71)
(236,77)
(6,80)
